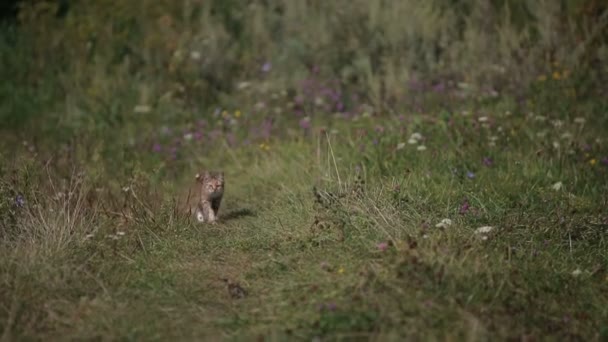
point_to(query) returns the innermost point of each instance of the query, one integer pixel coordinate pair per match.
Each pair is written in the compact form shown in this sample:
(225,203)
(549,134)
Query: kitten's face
(212,182)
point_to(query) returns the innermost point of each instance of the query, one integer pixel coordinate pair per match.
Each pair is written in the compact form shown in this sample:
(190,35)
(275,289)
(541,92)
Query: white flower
(188,136)
(120,233)
(400,146)
(242,85)
(446,222)
(195,55)
(579,120)
(557,186)
(540,118)
(567,136)
(142,109)
(412,141)
(577,272)
(484,230)
(556,145)
(483,119)
(421,148)
(126,189)
(416,136)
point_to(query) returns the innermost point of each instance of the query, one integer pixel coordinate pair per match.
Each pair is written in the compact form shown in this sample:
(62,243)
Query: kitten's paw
(200,217)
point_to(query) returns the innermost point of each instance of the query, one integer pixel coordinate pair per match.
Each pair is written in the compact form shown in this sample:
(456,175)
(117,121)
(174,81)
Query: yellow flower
(593,161)
(237,114)
(341,270)
(225,114)
(264,146)
(557,75)
(541,78)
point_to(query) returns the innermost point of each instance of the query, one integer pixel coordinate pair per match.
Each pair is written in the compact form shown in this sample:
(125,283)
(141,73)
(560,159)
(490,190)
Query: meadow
(395,170)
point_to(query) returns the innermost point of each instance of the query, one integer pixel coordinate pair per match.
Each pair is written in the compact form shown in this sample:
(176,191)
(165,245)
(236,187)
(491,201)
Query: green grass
(115,106)
(161,279)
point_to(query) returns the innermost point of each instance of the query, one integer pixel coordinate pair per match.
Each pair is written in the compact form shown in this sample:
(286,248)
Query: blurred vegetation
(186,56)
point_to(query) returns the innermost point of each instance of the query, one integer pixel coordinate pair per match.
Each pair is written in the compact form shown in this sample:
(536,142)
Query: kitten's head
(211,181)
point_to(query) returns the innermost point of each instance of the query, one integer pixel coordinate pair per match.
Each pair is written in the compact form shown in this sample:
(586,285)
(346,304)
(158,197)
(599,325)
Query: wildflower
(412,141)
(556,75)
(120,233)
(557,186)
(266,67)
(484,230)
(593,162)
(416,136)
(341,270)
(331,306)
(305,123)
(188,136)
(577,272)
(400,146)
(382,246)
(225,114)
(604,161)
(264,146)
(487,161)
(421,148)
(579,120)
(195,55)
(237,114)
(126,189)
(470,175)
(556,145)
(142,109)
(165,130)
(19,201)
(157,147)
(483,119)
(464,207)
(446,222)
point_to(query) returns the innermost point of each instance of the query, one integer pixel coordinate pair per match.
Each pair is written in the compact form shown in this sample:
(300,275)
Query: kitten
(210,196)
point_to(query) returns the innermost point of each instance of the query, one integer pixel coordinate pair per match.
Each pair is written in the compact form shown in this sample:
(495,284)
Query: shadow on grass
(237,213)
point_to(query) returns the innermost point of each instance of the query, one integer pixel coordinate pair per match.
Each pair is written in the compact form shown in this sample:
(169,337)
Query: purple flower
(464,207)
(382,246)
(332,306)
(20,201)
(157,148)
(305,123)
(470,175)
(487,161)
(266,67)
(198,135)
(604,161)
(439,87)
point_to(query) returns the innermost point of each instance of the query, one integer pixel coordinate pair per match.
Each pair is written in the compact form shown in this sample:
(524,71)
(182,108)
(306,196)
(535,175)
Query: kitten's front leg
(210,214)
(200,216)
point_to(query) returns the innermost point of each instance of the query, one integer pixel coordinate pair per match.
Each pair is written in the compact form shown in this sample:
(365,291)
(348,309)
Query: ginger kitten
(207,196)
